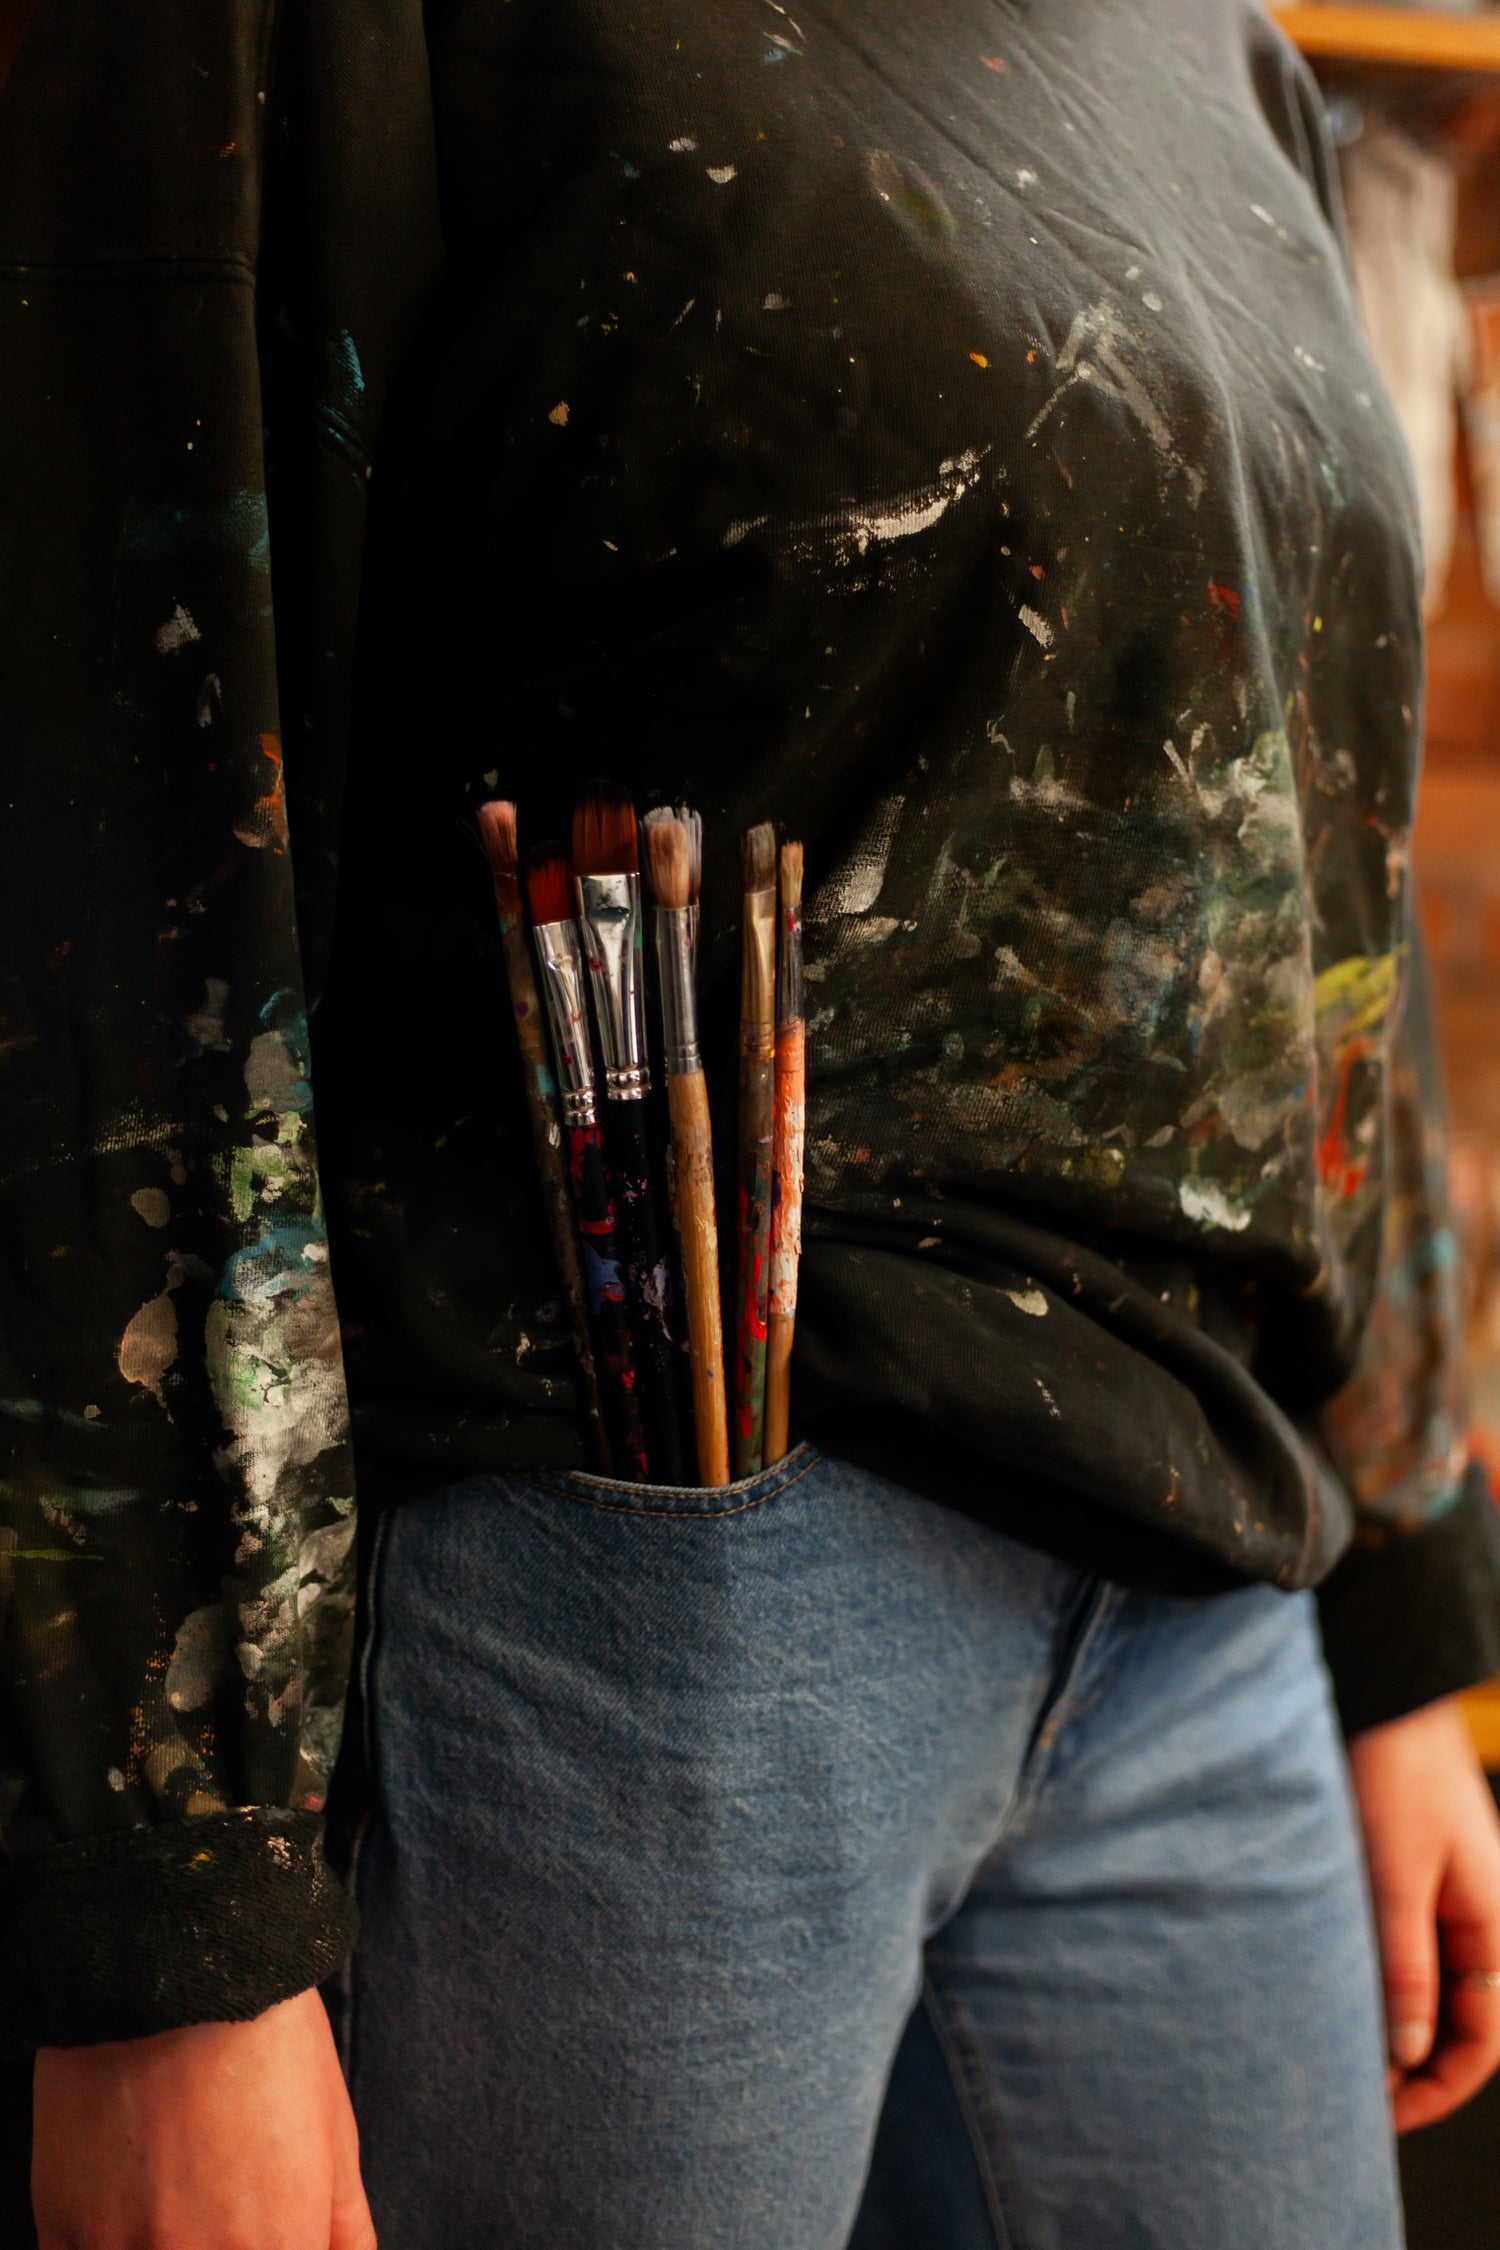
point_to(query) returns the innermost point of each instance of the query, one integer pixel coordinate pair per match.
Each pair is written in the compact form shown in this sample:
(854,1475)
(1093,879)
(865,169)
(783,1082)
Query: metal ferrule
(609,908)
(758,963)
(675,937)
(560,957)
(789,1003)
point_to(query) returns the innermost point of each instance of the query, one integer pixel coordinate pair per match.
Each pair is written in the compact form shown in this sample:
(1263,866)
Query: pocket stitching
(673,1515)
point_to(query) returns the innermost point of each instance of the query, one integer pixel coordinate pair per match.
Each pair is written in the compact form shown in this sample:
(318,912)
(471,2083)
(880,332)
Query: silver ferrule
(560,957)
(609,908)
(675,947)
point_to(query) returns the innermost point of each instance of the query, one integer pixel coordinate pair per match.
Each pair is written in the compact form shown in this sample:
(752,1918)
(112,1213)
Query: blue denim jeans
(806,1866)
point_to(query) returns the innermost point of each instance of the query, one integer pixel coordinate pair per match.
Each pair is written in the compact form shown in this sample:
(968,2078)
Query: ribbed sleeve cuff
(1416,1615)
(146,1929)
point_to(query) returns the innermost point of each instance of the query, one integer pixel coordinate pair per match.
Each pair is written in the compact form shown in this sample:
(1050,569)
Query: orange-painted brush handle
(698,1231)
(786,1231)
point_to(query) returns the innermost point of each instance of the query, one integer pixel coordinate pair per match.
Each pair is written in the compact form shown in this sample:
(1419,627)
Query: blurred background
(1414,100)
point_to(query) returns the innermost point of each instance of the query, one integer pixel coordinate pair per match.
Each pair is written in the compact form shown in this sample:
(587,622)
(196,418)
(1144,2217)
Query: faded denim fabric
(695,1813)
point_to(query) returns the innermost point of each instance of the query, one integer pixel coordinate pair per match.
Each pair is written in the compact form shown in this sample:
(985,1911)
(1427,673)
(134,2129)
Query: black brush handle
(604,1278)
(648,1286)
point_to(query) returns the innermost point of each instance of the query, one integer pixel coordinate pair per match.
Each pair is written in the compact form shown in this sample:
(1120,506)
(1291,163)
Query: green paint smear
(52,1554)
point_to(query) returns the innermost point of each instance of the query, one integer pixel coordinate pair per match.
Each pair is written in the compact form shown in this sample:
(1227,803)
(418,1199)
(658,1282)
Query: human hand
(221,2136)
(1432,1839)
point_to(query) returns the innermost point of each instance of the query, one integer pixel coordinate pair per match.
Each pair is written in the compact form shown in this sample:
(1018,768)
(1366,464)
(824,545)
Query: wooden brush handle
(698,1232)
(786,1232)
(606,1287)
(648,1286)
(752,1276)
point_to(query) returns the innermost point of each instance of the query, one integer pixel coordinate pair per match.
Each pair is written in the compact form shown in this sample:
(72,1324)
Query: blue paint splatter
(276,1262)
(241,522)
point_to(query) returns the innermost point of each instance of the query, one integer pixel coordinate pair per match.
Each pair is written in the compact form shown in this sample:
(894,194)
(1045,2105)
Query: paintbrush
(497,833)
(786,1192)
(757,1075)
(549,891)
(670,856)
(606,856)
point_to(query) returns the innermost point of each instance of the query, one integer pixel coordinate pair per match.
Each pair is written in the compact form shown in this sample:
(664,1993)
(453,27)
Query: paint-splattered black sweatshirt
(943,429)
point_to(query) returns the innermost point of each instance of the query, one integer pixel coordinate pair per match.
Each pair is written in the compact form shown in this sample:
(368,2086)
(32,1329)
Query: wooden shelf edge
(1415,39)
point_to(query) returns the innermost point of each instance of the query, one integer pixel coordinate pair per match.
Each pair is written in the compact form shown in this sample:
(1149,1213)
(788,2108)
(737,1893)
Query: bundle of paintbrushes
(597,1158)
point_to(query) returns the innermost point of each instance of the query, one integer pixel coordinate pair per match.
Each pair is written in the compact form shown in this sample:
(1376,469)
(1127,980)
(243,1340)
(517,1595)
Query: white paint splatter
(200,1656)
(205,1027)
(684,145)
(152,1205)
(720,174)
(1176,757)
(1036,625)
(775,302)
(1028,1301)
(1052,1406)
(1150,300)
(1210,1207)
(177,632)
(1093,354)
(854,887)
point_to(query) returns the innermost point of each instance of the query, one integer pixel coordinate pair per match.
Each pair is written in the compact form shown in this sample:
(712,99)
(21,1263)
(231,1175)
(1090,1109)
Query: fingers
(1467,2047)
(1466,2052)
(352,2227)
(1409,1961)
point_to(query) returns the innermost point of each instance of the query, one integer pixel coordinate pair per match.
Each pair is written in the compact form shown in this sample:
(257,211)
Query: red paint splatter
(1225,598)
(994,62)
(1341,1173)
(266,823)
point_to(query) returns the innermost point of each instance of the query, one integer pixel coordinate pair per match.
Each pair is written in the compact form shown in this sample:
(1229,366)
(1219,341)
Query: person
(947,434)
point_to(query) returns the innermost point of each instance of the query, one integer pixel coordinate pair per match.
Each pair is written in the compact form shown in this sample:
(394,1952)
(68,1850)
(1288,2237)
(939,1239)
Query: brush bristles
(671,861)
(693,823)
(654,819)
(549,885)
(760,857)
(497,833)
(604,832)
(791,875)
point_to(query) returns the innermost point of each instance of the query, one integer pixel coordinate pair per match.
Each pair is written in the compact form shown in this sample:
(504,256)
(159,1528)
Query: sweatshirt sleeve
(1412,1612)
(176,1501)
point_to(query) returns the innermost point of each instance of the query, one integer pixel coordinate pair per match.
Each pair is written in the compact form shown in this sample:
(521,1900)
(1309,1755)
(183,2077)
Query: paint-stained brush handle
(698,1232)
(547,1140)
(786,1232)
(752,1274)
(605,1278)
(648,1285)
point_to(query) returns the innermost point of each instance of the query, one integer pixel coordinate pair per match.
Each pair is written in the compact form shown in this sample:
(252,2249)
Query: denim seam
(1074,1694)
(541,1481)
(974,2095)
(367,1761)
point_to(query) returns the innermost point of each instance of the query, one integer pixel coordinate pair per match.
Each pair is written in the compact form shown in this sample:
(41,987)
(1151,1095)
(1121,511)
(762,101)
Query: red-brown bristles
(549,885)
(670,856)
(604,832)
(497,833)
